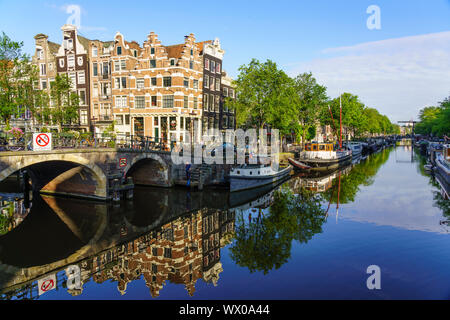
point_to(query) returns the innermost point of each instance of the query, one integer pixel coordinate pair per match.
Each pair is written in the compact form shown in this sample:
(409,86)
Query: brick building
(151,90)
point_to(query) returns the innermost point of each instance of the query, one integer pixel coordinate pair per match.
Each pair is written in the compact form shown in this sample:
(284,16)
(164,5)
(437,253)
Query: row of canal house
(151,90)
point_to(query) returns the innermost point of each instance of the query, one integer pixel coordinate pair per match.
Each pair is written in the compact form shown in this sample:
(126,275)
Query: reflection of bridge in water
(177,239)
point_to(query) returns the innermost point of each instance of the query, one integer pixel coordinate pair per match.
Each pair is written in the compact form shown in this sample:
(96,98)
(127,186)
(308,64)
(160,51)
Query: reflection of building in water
(182,251)
(12,212)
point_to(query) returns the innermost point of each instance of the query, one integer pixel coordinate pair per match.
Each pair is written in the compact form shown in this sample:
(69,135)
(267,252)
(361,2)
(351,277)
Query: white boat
(443,165)
(356,148)
(248,176)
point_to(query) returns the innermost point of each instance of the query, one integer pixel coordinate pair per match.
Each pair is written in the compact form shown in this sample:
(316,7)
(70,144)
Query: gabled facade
(73,59)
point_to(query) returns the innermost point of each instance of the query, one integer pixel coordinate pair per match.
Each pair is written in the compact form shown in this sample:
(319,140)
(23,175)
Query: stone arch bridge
(88,173)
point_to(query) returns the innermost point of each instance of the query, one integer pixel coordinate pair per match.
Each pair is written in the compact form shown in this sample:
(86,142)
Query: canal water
(308,238)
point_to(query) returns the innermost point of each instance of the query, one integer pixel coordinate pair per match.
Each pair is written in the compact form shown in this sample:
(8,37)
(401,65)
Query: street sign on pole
(42,141)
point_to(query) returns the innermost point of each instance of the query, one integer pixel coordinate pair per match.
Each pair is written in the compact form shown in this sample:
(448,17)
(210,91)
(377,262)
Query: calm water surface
(310,238)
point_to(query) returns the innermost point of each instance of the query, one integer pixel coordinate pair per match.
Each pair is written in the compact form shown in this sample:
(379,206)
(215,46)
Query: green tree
(263,96)
(310,98)
(66,103)
(17,78)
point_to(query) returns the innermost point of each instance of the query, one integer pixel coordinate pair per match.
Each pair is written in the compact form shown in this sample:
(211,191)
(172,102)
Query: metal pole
(340,115)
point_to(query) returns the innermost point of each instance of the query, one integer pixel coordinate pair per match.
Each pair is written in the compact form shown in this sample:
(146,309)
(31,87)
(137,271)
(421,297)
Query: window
(167,101)
(71,61)
(127,119)
(216,104)
(119,120)
(43,69)
(154,268)
(40,54)
(154,99)
(123,64)
(81,77)
(61,62)
(213,66)
(82,95)
(167,81)
(231,93)
(218,84)
(135,53)
(205,102)
(50,66)
(83,117)
(206,81)
(124,82)
(105,69)
(225,92)
(186,82)
(207,64)
(44,85)
(167,252)
(95,91)
(211,83)
(70,44)
(218,67)
(211,102)
(116,65)
(152,51)
(192,52)
(121,101)
(172,62)
(119,51)
(186,102)
(191,64)
(195,103)
(95,69)
(153,81)
(139,102)
(94,51)
(195,84)
(140,83)
(73,79)
(152,63)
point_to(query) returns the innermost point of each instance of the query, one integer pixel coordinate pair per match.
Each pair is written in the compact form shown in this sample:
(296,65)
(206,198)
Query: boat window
(314,147)
(308,147)
(238,172)
(250,173)
(321,147)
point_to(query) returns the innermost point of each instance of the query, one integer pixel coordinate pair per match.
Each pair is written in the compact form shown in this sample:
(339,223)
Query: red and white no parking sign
(42,141)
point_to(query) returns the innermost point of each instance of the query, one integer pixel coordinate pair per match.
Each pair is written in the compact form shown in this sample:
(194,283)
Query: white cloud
(396,76)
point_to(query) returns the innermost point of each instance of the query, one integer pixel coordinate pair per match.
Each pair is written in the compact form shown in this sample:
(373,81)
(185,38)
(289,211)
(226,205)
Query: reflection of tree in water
(265,243)
(439,200)
(361,174)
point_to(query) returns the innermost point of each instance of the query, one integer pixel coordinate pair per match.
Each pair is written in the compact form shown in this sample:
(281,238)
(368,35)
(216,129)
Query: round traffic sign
(42,140)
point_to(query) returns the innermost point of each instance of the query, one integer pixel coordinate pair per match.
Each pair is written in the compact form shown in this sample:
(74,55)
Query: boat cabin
(319,147)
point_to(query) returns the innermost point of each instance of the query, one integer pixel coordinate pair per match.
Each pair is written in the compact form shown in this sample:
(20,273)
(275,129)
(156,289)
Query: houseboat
(321,157)
(248,176)
(442,166)
(356,148)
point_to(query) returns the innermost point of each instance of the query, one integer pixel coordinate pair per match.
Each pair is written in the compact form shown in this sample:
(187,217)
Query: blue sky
(397,69)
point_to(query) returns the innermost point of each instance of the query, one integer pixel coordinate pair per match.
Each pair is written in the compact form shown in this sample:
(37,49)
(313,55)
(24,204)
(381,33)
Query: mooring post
(116,193)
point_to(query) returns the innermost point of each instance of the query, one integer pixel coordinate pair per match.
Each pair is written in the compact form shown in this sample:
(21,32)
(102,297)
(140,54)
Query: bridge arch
(149,169)
(28,162)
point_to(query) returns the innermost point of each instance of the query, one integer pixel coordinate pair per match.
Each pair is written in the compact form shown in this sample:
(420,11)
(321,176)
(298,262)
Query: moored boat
(356,148)
(442,162)
(322,157)
(249,176)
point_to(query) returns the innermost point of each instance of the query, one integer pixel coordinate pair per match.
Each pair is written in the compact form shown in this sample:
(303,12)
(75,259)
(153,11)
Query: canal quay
(310,236)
